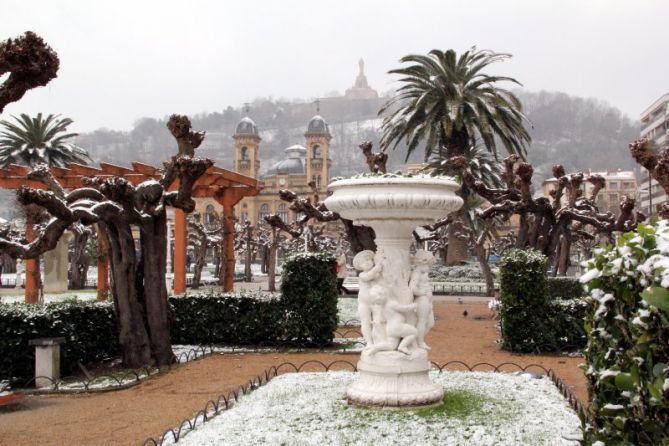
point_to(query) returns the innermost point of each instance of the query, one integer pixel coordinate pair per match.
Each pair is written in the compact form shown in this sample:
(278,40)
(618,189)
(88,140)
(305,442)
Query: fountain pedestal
(394,302)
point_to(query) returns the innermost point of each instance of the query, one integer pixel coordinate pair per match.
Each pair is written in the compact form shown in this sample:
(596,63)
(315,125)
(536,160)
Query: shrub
(564,288)
(309,298)
(230,318)
(89,330)
(305,315)
(531,321)
(628,340)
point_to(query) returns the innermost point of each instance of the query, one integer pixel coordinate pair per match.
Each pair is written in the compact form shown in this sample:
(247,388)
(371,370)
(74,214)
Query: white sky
(121,60)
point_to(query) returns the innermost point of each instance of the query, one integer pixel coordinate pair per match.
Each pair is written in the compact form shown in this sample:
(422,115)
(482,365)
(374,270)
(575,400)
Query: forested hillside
(580,133)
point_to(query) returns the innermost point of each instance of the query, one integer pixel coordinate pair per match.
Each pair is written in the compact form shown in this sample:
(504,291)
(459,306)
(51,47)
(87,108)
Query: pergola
(225,186)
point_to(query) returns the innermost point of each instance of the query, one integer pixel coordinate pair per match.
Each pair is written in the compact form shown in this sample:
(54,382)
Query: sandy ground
(129,416)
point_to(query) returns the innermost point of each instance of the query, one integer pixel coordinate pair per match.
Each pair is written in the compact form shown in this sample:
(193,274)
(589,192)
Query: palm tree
(31,141)
(447,104)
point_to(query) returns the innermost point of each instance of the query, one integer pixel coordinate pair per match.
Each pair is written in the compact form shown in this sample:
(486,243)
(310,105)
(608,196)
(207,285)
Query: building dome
(317,125)
(293,164)
(246,127)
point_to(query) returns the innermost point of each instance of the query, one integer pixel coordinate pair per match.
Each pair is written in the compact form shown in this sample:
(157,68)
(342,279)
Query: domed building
(301,165)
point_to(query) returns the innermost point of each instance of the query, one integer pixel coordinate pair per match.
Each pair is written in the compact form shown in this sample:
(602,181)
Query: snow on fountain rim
(309,409)
(417,180)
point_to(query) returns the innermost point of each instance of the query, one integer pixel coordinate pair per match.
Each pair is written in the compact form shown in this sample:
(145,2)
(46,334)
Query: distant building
(301,165)
(655,127)
(619,183)
(360,89)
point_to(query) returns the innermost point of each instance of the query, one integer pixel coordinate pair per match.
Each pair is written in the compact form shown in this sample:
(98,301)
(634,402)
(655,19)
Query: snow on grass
(480,409)
(74,295)
(347,311)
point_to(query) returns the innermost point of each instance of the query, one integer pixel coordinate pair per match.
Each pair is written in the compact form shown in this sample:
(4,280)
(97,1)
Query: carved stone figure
(370,291)
(422,291)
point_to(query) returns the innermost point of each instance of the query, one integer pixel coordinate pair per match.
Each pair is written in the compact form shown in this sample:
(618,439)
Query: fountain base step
(394,380)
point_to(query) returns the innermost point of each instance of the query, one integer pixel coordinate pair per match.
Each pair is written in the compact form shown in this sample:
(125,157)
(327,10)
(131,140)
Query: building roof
(317,125)
(246,127)
(293,164)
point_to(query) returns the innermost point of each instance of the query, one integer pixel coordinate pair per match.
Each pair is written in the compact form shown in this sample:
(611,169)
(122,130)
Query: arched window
(264,211)
(245,154)
(283,212)
(210,214)
(316,151)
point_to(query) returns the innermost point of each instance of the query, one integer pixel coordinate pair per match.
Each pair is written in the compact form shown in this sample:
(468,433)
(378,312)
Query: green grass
(457,404)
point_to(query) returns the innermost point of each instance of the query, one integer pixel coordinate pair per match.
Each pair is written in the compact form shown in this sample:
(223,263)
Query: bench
(351,285)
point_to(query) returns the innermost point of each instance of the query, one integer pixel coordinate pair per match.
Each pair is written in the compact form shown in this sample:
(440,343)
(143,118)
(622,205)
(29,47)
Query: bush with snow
(628,339)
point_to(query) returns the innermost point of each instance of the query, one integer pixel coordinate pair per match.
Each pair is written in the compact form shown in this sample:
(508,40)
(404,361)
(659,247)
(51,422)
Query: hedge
(564,288)
(309,297)
(90,330)
(305,315)
(627,355)
(531,320)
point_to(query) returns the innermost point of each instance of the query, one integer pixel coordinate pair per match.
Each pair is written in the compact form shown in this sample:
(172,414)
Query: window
(264,211)
(316,151)
(613,185)
(210,214)
(283,212)
(245,153)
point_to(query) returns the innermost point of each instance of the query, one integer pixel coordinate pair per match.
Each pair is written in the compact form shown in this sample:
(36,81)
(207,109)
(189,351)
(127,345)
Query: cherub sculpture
(400,335)
(370,293)
(420,286)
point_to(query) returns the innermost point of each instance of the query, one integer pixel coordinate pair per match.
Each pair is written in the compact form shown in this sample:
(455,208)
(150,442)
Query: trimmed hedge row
(564,288)
(628,340)
(305,315)
(90,330)
(531,320)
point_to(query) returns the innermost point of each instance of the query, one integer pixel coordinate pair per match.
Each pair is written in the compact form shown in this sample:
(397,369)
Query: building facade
(301,165)
(619,183)
(654,127)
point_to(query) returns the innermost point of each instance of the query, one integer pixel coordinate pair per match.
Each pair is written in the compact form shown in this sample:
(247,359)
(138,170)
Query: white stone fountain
(394,302)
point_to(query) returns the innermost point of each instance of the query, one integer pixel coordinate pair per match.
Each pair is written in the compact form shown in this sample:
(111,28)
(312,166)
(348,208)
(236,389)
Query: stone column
(47,360)
(56,266)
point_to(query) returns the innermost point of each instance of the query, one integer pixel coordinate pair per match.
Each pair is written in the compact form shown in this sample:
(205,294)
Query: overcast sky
(122,60)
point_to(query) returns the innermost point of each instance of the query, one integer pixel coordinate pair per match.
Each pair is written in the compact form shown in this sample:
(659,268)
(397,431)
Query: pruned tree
(547,224)
(138,285)
(187,139)
(199,239)
(375,161)
(657,165)
(30,63)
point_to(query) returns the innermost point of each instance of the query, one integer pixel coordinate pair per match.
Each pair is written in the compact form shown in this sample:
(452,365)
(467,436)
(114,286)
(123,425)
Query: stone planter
(394,301)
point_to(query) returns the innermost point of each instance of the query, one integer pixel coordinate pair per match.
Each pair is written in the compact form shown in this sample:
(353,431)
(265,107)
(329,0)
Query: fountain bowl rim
(395,181)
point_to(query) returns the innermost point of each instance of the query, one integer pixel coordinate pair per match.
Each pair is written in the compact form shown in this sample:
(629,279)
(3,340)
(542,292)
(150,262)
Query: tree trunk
(153,240)
(458,250)
(360,238)
(271,267)
(200,253)
(248,275)
(80,260)
(563,257)
(133,336)
(482,257)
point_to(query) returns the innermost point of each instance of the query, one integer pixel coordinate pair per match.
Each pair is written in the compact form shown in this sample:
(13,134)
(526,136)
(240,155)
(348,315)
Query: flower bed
(481,409)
